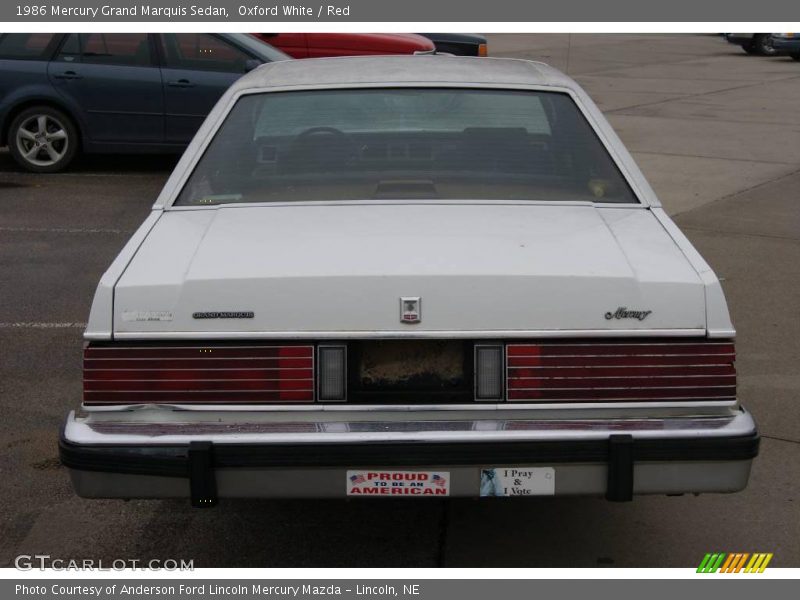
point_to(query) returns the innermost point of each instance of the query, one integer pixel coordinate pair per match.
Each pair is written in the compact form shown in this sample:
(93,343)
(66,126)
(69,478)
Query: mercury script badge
(623,313)
(410,309)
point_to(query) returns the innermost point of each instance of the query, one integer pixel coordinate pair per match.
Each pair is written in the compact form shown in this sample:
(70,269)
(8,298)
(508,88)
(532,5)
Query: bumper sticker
(398,483)
(518,481)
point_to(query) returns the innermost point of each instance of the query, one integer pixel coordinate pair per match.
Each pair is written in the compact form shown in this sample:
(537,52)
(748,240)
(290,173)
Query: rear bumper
(212,458)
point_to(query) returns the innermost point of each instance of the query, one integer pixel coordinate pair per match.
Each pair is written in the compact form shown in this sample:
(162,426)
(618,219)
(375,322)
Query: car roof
(403,70)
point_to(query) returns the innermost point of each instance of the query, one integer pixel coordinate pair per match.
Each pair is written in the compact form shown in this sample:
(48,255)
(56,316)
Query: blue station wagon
(114,92)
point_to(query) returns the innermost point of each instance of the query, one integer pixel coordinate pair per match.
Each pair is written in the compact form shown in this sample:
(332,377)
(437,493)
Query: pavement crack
(780,439)
(737,193)
(701,94)
(714,119)
(742,233)
(723,158)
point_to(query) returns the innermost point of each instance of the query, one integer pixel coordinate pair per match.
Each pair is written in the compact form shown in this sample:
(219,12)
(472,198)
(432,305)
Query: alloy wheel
(42,140)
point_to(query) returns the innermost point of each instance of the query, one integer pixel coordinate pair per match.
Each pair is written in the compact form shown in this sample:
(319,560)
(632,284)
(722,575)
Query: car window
(121,49)
(405,143)
(400,111)
(202,52)
(24,46)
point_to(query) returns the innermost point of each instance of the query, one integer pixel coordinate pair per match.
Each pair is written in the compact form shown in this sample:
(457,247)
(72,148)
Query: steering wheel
(342,153)
(312,131)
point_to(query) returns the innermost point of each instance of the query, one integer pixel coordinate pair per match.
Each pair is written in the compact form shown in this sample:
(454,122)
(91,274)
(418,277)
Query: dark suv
(113,92)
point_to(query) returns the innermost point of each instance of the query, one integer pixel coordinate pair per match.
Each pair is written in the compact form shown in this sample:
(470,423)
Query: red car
(315,45)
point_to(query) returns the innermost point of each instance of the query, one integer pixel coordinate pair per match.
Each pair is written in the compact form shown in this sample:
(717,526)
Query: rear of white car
(447,279)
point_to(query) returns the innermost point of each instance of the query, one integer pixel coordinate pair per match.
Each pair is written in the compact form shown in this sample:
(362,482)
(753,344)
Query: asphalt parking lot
(717,133)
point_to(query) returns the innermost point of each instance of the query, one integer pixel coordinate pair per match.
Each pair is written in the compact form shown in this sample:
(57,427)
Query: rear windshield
(398,144)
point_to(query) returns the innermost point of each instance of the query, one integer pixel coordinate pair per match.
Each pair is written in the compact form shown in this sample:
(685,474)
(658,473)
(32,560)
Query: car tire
(762,42)
(43,139)
(796,56)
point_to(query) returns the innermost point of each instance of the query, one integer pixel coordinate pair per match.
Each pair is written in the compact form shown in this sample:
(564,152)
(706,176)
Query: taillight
(188,373)
(624,371)
(483,50)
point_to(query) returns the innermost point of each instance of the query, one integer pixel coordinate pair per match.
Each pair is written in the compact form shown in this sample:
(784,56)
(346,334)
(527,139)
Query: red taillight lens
(607,372)
(197,374)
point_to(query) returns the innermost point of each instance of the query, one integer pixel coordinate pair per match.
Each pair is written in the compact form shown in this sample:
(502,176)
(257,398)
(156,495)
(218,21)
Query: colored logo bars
(734,563)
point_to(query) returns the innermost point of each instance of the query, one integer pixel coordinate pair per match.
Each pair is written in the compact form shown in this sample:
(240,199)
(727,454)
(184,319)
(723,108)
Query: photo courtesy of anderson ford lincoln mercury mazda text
(407,276)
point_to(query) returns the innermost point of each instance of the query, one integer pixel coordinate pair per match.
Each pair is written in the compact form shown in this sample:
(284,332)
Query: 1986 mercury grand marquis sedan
(407,276)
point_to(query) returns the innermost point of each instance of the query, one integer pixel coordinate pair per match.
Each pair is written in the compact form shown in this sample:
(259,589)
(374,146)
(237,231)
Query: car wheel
(796,56)
(42,139)
(762,42)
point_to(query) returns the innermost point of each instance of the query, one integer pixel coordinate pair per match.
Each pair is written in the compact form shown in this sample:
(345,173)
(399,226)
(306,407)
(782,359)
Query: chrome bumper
(248,454)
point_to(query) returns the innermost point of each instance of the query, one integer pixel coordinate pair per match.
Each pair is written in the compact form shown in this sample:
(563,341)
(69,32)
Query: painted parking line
(63,230)
(43,325)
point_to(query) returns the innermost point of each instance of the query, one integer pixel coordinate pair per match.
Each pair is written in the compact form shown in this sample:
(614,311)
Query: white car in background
(407,276)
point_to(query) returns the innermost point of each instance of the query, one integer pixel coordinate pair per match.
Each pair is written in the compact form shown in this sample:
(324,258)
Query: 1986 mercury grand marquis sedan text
(407,276)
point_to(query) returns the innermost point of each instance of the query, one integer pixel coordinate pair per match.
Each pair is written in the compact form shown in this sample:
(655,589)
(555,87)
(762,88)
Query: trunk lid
(341,270)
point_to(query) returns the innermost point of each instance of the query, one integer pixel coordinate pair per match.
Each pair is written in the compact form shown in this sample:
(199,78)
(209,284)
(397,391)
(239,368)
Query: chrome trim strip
(590,400)
(623,366)
(597,377)
(113,348)
(621,355)
(618,366)
(197,380)
(517,405)
(196,391)
(206,368)
(416,334)
(201,358)
(623,387)
(699,344)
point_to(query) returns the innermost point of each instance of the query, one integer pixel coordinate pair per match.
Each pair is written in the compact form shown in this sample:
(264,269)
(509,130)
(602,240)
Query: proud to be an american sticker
(398,483)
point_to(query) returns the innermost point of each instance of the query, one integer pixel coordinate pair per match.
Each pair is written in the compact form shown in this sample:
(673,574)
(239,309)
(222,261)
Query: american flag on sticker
(439,480)
(357,478)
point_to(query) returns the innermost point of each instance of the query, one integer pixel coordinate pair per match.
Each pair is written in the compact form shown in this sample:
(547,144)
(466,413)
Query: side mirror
(251,64)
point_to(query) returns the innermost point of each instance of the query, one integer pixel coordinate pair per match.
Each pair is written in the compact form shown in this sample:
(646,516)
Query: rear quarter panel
(23,81)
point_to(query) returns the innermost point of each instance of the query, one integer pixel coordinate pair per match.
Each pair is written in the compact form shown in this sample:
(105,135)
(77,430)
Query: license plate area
(410,371)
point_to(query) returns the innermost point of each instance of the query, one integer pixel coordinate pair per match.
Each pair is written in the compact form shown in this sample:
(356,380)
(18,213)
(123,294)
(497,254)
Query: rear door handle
(181,83)
(68,75)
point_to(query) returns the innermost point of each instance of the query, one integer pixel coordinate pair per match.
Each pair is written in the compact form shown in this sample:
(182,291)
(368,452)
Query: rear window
(396,144)
(24,46)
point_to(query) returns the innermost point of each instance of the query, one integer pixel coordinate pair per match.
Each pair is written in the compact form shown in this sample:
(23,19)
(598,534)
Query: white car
(407,276)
